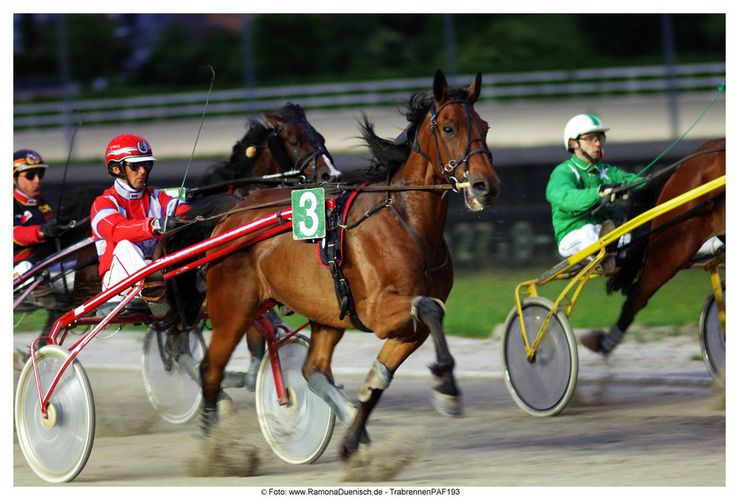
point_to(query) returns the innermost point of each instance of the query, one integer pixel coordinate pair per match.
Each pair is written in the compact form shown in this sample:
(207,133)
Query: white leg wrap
(379,377)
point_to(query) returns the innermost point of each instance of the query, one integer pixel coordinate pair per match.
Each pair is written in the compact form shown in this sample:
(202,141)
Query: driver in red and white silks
(129,217)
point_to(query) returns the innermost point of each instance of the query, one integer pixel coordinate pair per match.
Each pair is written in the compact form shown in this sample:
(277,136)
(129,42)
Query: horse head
(296,145)
(452,137)
(282,146)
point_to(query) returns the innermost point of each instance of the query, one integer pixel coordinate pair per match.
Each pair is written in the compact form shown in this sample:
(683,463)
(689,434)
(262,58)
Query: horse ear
(440,86)
(473,91)
(273,119)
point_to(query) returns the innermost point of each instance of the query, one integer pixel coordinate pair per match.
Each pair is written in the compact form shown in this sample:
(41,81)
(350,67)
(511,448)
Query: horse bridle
(296,168)
(448,170)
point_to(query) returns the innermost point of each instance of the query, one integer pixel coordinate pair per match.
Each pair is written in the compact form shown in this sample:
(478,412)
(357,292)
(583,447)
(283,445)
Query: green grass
(480,300)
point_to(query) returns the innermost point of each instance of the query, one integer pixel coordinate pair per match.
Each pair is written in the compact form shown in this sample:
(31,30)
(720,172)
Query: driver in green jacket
(577,185)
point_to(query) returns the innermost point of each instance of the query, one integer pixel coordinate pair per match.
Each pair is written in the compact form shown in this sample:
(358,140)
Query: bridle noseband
(447,170)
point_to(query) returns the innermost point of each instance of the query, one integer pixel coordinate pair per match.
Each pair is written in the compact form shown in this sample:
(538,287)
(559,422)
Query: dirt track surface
(650,416)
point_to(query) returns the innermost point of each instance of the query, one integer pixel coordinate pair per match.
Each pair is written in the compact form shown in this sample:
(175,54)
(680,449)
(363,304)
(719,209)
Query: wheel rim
(713,342)
(542,387)
(298,432)
(171,390)
(57,447)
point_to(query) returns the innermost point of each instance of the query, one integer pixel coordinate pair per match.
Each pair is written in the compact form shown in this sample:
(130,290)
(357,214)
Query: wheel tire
(544,386)
(712,339)
(56,448)
(170,388)
(298,432)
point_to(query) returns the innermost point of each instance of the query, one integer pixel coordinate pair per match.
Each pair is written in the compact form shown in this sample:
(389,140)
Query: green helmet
(582,124)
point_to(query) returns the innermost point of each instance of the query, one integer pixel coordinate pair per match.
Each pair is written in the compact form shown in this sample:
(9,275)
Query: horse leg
(393,353)
(445,396)
(392,310)
(256,344)
(228,329)
(656,272)
(317,372)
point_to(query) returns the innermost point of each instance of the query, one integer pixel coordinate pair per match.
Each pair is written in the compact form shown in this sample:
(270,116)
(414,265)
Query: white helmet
(582,124)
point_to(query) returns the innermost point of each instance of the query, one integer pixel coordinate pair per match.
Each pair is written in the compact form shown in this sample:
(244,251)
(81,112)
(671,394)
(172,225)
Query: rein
(654,175)
(335,189)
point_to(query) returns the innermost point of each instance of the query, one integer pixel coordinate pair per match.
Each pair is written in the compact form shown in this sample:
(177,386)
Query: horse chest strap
(330,252)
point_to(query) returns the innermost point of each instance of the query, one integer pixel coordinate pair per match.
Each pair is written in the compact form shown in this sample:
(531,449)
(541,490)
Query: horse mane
(238,165)
(291,112)
(629,272)
(388,155)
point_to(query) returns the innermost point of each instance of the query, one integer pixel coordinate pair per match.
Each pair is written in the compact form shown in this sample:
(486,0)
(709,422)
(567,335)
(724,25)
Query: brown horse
(282,149)
(674,239)
(395,260)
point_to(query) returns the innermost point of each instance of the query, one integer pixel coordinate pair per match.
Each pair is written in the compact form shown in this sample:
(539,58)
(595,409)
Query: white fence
(644,79)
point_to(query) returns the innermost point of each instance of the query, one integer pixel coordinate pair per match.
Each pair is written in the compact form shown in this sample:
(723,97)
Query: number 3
(310,200)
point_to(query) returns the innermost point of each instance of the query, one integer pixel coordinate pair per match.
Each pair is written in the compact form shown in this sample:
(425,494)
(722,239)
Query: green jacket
(572,191)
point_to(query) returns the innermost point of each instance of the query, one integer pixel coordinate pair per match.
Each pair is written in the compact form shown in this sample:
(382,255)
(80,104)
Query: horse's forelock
(291,112)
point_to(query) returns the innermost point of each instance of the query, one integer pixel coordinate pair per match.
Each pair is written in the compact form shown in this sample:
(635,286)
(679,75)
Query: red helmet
(129,147)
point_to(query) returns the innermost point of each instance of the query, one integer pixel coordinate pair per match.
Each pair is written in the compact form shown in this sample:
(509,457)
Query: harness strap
(331,250)
(279,154)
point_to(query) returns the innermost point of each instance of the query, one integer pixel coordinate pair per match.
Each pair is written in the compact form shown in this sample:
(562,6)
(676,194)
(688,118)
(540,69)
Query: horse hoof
(346,452)
(250,381)
(449,406)
(226,404)
(593,341)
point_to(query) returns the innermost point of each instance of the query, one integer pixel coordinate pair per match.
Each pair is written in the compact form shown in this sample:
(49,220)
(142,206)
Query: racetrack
(650,416)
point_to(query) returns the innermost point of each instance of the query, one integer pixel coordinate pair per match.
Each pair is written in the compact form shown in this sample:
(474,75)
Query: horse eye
(448,129)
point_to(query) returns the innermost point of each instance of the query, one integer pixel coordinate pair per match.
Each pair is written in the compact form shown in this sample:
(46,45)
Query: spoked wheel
(299,431)
(713,339)
(170,373)
(544,385)
(56,447)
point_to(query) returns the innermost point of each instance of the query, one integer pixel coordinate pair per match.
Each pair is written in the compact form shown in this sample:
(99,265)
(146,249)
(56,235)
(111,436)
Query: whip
(720,90)
(180,191)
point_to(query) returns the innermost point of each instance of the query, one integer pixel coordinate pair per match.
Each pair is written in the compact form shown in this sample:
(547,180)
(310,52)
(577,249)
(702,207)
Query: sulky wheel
(170,373)
(713,339)
(57,446)
(299,431)
(544,385)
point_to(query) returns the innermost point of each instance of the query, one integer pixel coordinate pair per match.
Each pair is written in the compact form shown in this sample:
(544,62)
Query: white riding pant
(582,238)
(127,259)
(58,285)
(21,268)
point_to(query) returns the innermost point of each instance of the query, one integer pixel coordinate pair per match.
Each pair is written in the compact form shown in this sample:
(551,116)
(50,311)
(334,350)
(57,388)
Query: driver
(577,185)
(129,218)
(34,223)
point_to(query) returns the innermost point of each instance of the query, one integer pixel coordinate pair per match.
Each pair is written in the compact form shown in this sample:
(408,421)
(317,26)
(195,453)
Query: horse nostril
(481,187)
